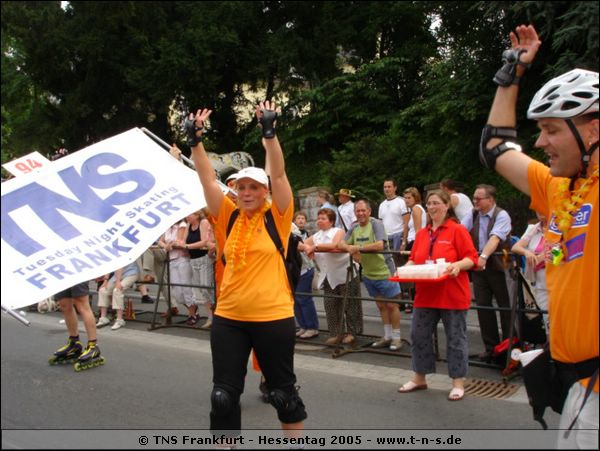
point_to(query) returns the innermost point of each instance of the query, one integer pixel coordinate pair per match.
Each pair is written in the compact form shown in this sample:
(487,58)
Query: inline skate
(89,358)
(69,353)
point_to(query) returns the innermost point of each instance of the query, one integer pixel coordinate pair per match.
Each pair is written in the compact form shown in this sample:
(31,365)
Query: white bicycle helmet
(569,95)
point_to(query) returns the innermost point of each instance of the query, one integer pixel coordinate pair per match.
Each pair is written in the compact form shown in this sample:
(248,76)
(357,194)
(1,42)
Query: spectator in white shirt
(395,216)
(346,208)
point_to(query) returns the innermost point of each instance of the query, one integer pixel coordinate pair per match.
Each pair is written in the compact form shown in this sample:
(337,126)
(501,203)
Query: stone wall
(307,202)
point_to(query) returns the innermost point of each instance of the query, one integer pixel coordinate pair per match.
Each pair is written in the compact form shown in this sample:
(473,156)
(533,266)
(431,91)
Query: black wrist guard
(267,121)
(190,130)
(488,156)
(507,74)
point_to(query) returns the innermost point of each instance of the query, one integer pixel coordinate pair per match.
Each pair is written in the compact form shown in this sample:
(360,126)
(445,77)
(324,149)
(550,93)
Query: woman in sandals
(198,241)
(255,307)
(448,300)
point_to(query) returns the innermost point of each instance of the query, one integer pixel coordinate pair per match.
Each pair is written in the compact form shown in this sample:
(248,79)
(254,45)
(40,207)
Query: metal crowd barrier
(517,299)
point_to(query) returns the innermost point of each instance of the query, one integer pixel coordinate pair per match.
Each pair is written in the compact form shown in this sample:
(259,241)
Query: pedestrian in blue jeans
(304,305)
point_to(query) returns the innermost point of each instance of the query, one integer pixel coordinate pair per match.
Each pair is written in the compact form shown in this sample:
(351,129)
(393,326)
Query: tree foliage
(370,89)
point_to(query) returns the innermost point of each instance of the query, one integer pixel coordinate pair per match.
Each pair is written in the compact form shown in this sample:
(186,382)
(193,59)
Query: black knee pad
(225,413)
(289,405)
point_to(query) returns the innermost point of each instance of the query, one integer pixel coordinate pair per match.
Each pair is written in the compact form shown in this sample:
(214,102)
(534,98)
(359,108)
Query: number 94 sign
(27,164)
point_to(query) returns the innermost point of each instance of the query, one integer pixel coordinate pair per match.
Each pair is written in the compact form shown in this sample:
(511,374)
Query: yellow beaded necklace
(241,235)
(567,203)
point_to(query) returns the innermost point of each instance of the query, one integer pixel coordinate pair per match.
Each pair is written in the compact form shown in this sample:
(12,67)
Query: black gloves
(190,130)
(267,121)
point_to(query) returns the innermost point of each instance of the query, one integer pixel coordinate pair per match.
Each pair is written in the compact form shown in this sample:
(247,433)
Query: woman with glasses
(448,300)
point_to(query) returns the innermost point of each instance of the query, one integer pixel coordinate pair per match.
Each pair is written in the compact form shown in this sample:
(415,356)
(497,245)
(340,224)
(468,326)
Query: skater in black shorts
(76,297)
(72,301)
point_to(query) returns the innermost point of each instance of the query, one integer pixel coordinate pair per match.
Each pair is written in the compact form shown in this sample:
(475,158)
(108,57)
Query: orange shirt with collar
(258,291)
(572,284)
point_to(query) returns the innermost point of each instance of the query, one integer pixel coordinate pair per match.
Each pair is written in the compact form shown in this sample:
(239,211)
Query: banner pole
(15,315)
(187,160)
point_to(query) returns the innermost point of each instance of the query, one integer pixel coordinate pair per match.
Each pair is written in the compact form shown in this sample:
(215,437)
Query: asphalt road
(161,380)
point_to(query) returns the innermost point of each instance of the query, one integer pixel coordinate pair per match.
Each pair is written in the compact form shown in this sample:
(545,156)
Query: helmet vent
(551,90)
(569,105)
(542,108)
(583,95)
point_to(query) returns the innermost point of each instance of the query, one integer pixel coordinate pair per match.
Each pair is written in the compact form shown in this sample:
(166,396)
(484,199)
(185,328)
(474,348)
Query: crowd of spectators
(336,259)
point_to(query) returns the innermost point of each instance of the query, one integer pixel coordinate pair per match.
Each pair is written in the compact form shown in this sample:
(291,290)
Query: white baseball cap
(233,176)
(256,174)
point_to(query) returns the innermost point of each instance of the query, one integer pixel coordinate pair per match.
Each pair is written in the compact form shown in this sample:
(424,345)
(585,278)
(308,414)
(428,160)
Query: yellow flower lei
(241,235)
(569,202)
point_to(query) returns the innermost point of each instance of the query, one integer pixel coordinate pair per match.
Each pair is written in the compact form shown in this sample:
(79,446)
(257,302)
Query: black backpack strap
(588,392)
(272,231)
(234,215)
(343,223)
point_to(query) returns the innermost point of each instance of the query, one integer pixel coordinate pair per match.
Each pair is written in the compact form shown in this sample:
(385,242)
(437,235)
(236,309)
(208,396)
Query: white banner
(89,213)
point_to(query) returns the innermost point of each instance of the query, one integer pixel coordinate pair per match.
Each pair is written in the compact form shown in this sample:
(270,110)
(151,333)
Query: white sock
(387,331)
(396,334)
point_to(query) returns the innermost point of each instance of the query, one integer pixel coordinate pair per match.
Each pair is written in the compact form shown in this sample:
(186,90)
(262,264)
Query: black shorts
(272,341)
(76,291)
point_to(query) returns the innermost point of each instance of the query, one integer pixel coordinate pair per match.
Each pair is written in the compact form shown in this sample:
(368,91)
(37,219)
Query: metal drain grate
(489,389)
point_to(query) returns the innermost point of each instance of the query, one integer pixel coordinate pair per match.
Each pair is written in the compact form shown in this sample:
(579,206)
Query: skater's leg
(66,306)
(73,348)
(82,304)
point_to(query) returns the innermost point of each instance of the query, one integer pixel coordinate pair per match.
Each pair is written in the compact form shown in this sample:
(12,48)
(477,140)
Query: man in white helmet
(566,110)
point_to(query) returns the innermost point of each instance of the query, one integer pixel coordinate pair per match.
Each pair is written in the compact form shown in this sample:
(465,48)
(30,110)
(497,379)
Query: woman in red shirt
(448,300)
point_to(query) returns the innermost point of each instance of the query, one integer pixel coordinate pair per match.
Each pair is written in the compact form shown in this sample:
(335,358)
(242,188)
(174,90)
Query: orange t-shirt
(258,291)
(573,284)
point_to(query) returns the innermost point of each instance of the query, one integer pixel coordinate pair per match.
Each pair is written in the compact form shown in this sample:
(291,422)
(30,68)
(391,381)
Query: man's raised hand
(525,38)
